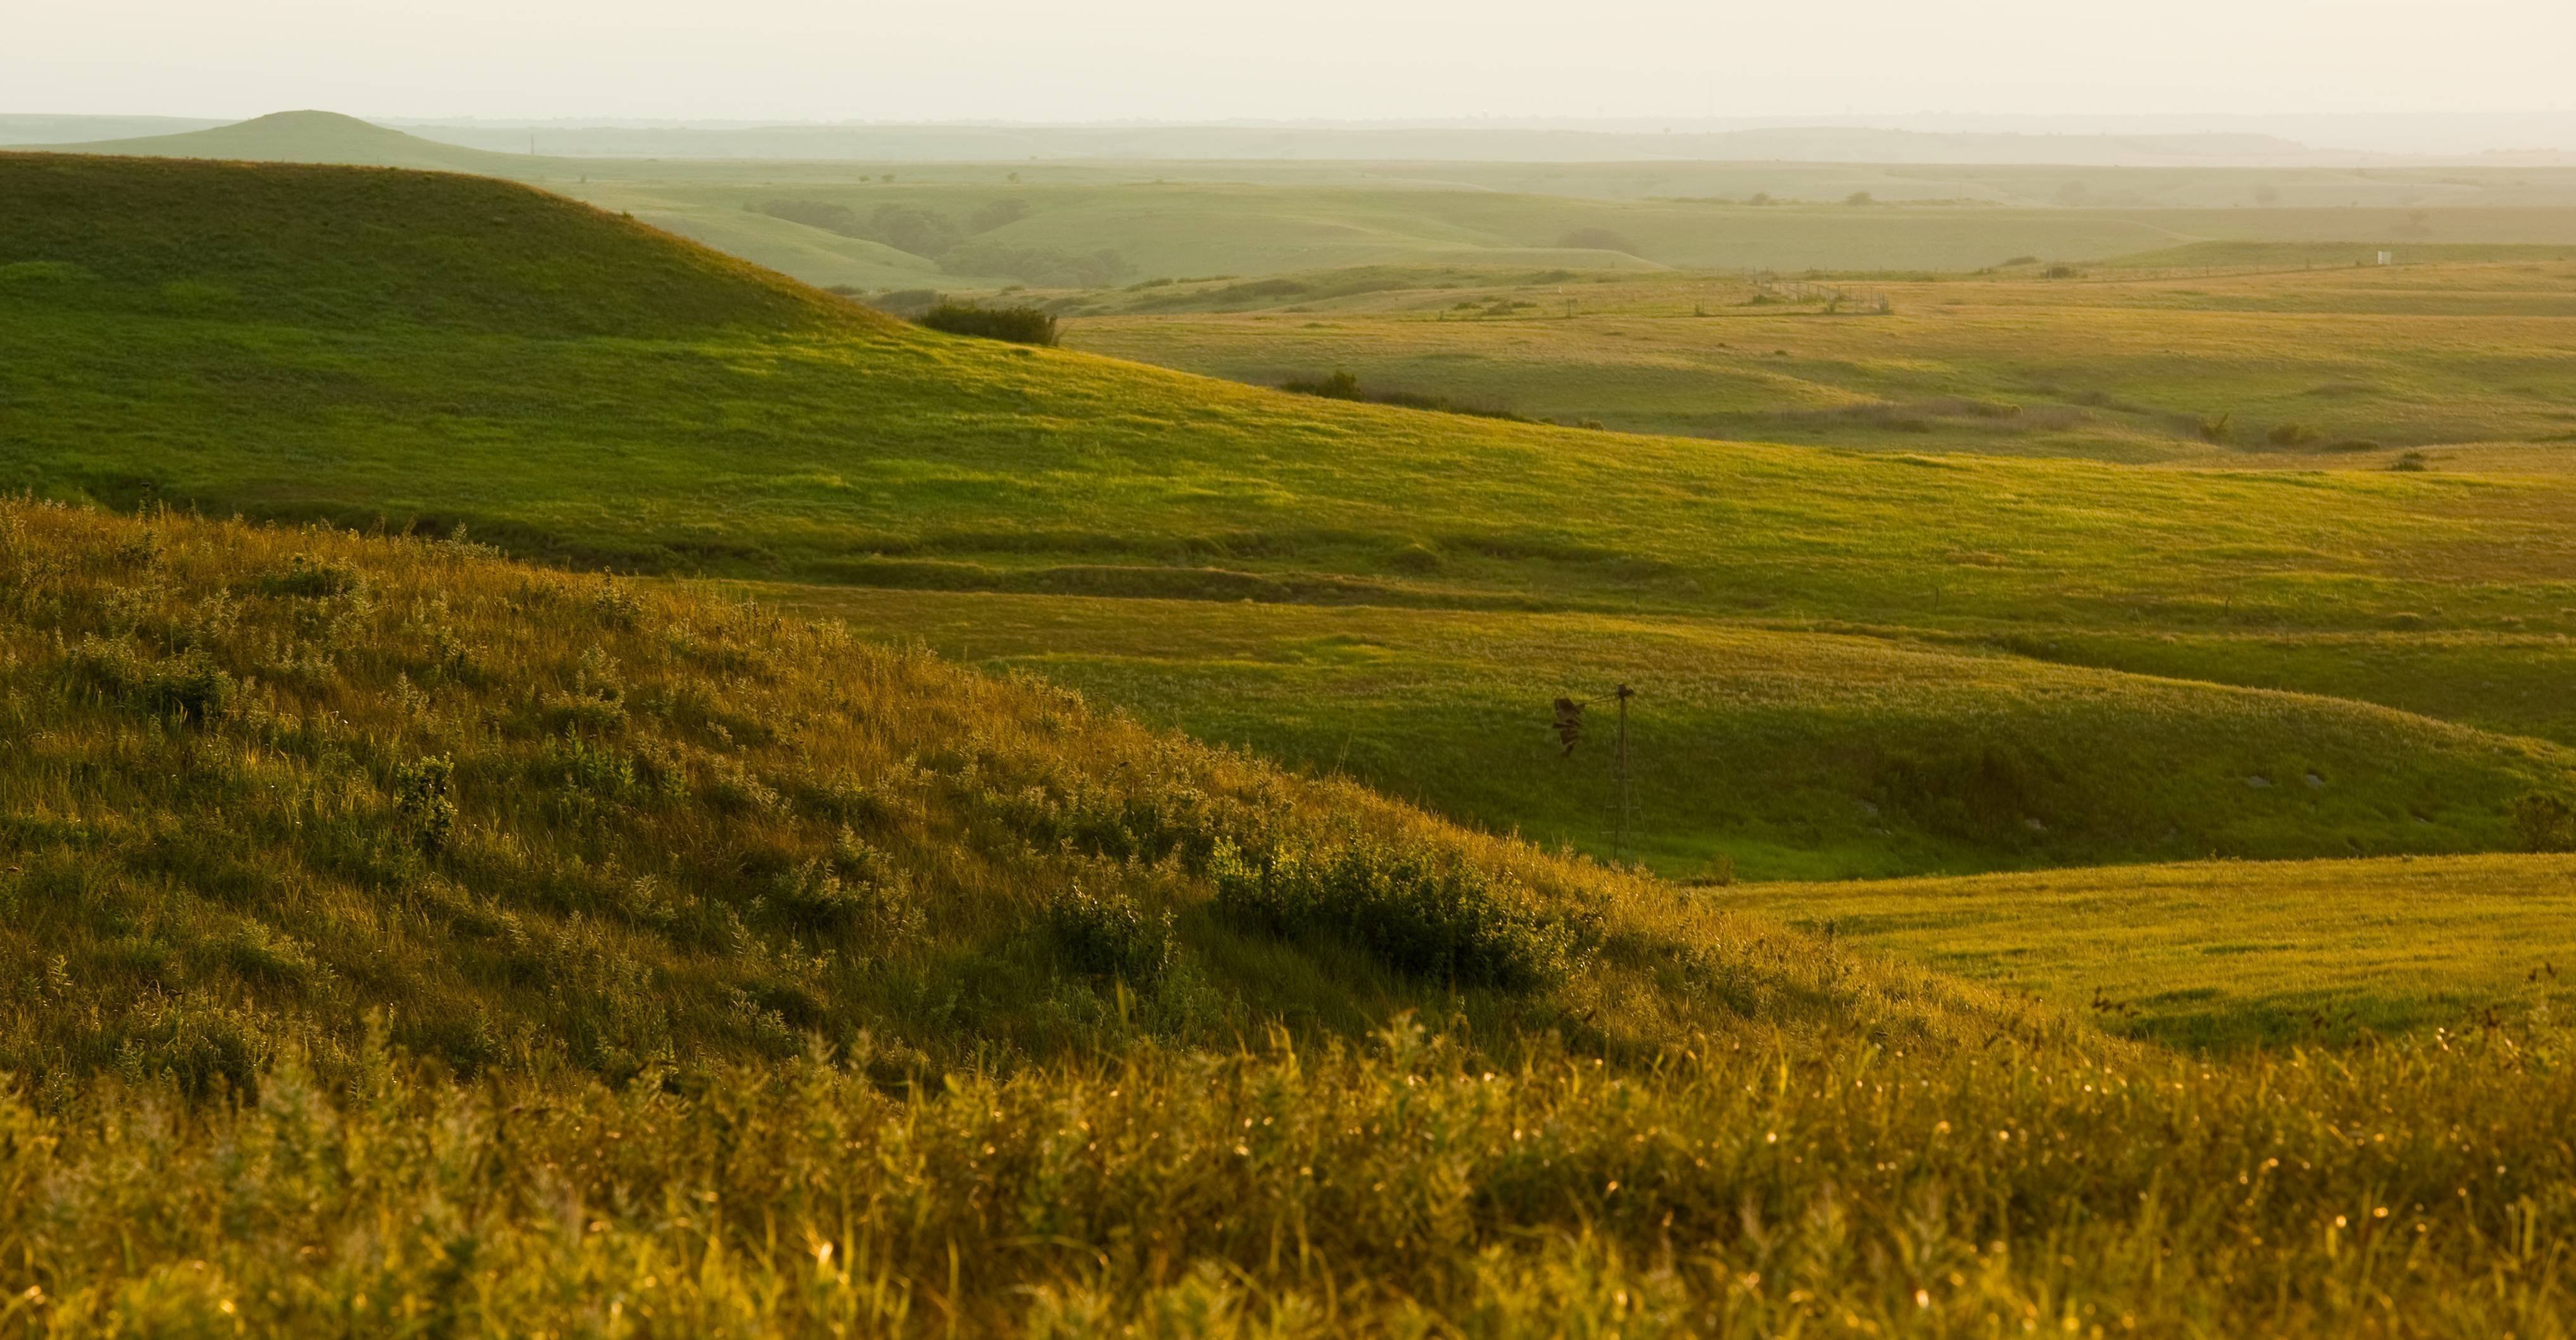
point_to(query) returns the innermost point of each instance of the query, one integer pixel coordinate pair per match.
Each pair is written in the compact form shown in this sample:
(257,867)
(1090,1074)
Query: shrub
(2291,435)
(1415,910)
(1110,937)
(188,686)
(1018,325)
(424,809)
(1341,385)
(859,890)
(313,580)
(2543,822)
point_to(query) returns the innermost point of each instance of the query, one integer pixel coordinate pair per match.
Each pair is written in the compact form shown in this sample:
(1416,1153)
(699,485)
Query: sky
(1203,60)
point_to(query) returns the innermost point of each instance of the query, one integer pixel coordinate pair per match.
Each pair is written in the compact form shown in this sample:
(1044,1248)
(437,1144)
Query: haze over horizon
(2196,64)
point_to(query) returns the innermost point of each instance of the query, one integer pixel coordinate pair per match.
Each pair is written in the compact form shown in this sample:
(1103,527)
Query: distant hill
(22,129)
(315,245)
(1006,143)
(310,137)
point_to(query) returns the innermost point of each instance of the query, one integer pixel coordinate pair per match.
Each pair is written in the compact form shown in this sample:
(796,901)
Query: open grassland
(731,978)
(1757,753)
(2224,953)
(2322,367)
(432,352)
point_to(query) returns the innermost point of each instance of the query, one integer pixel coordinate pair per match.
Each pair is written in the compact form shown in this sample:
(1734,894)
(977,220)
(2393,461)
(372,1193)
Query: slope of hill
(1759,753)
(310,137)
(619,397)
(295,245)
(273,780)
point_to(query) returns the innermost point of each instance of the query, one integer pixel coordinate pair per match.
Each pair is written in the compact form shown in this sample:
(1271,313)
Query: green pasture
(2227,953)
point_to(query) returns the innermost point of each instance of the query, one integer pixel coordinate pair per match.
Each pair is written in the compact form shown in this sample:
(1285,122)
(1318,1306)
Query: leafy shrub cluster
(1019,325)
(188,685)
(1111,937)
(1415,909)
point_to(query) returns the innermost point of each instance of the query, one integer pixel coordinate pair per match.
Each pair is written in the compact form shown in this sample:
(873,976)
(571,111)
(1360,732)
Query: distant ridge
(310,137)
(1016,143)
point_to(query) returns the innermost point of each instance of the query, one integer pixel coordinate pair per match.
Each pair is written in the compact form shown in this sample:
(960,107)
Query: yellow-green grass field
(2227,952)
(2328,367)
(1756,753)
(584,389)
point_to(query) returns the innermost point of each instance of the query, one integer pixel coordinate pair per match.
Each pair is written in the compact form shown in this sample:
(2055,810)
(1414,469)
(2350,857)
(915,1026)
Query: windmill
(1569,733)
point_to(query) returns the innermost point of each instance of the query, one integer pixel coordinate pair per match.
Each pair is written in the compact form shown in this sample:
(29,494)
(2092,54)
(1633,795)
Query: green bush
(1019,325)
(1110,937)
(423,807)
(1416,910)
(187,686)
(2543,822)
(313,580)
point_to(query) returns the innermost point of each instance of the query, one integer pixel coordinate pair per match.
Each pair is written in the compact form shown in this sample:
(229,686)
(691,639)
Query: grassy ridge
(273,780)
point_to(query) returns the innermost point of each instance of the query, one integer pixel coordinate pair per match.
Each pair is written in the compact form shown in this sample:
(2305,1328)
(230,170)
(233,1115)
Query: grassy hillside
(217,246)
(579,388)
(312,137)
(804,986)
(272,781)
(1757,753)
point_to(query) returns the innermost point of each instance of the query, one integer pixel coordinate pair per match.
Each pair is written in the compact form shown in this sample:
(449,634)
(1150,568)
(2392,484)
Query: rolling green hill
(426,352)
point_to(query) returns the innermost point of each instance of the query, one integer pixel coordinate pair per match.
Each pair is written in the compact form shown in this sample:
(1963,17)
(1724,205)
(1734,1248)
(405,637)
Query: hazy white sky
(1043,60)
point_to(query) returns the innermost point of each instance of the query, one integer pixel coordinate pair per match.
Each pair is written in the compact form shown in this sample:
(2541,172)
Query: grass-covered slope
(98,239)
(1758,752)
(750,426)
(311,137)
(809,987)
(268,781)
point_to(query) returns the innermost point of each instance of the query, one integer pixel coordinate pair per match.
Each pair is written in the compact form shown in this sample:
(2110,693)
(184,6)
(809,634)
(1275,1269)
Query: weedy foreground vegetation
(725,976)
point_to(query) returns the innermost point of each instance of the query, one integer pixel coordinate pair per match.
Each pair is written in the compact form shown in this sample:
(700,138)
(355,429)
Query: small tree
(2543,822)
(1019,325)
